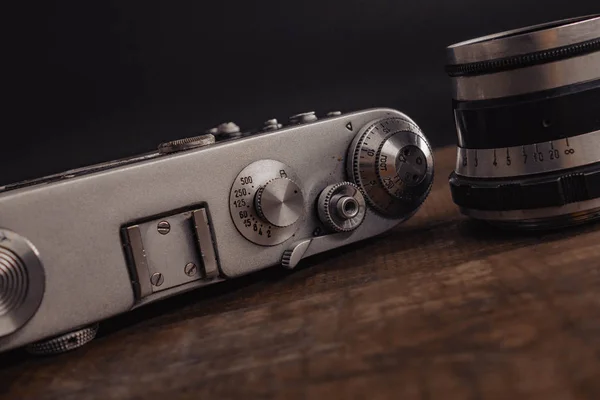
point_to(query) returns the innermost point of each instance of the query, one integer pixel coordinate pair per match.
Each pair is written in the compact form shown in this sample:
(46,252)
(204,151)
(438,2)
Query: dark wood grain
(441,308)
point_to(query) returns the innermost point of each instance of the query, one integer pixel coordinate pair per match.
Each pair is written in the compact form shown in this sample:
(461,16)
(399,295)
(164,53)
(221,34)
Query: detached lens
(527,111)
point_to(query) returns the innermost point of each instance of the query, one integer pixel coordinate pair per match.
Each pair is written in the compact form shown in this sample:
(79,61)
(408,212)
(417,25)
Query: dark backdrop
(94,82)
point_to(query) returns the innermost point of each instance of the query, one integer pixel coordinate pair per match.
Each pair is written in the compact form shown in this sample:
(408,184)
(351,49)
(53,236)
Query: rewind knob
(22,281)
(280,202)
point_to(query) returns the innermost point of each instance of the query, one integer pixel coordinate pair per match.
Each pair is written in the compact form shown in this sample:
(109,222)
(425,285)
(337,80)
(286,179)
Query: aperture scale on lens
(529,159)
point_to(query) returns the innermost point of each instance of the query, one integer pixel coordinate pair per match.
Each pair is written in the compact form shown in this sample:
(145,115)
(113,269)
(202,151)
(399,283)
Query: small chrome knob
(226,130)
(280,202)
(63,343)
(229,129)
(271,125)
(303,118)
(342,207)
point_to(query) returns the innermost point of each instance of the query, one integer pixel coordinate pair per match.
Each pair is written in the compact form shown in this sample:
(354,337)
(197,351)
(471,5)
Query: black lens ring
(527,119)
(525,193)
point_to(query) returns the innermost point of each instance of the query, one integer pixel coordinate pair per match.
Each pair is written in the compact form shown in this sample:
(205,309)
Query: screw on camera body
(157,279)
(164,227)
(190,269)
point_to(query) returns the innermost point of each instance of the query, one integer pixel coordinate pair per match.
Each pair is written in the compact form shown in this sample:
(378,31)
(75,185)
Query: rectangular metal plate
(181,252)
(205,242)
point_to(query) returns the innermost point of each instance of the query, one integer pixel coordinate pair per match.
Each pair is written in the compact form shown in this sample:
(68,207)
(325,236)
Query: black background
(93,82)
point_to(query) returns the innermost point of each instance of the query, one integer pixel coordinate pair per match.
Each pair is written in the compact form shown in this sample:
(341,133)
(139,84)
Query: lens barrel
(527,111)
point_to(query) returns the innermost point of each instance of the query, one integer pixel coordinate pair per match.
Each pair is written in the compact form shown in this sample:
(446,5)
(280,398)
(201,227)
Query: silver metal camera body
(80,247)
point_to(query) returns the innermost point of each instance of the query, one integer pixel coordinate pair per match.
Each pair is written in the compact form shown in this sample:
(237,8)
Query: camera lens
(527,111)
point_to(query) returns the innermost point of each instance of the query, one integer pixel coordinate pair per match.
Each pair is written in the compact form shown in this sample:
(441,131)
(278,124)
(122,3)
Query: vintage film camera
(82,246)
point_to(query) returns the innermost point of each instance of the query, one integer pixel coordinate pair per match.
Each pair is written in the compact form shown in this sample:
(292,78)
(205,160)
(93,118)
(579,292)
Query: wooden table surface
(441,308)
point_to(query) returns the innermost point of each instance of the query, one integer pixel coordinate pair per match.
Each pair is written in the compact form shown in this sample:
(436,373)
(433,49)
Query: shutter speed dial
(279,202)
(266,202)
(392,163)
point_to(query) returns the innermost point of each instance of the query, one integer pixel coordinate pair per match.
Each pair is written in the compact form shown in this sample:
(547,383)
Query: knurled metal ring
(63,343)
(524,60)
(186,144)
(328,203)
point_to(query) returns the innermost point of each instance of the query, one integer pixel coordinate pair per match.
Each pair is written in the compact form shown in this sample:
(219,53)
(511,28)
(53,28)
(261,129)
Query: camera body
(83,246)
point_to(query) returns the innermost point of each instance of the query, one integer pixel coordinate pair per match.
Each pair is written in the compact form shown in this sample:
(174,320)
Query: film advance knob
(280,202)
